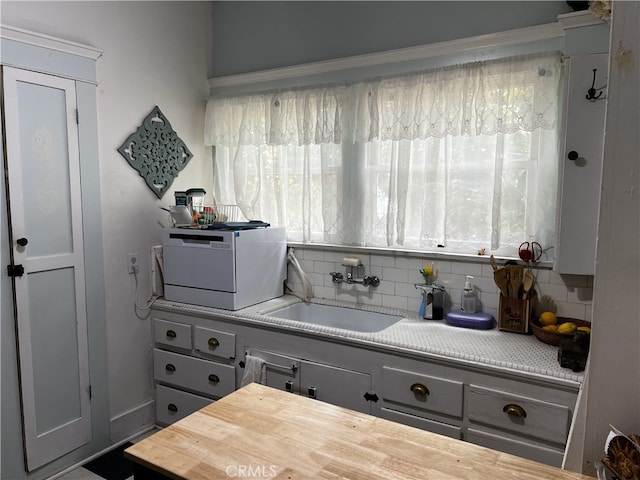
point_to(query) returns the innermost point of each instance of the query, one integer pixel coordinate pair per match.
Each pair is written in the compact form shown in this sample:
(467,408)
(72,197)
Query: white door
(46,240)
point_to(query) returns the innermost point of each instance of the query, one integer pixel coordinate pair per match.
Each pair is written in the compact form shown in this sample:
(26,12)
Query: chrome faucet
(367,281)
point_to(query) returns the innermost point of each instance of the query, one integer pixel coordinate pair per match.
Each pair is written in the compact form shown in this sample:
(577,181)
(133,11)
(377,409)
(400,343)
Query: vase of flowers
(427,273)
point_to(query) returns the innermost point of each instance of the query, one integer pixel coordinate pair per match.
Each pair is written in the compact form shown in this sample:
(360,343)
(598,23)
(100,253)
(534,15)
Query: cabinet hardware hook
(591,93)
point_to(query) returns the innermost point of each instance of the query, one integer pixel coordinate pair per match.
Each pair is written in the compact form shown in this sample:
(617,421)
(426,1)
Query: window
(463,157)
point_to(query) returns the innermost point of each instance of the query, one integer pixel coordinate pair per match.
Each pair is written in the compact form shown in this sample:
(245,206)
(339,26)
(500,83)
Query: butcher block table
(261,432)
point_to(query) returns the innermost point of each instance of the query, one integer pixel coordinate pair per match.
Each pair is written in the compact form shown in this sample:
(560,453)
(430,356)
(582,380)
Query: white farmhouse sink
(337,317)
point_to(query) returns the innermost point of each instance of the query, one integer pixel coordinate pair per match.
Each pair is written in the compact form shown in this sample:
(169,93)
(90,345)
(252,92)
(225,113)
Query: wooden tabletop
(261,432)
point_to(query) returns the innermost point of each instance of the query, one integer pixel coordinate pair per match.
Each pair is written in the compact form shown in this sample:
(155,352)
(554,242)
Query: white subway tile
(464,268)
(393,301)
(382,260)
(312,254)
(395,274)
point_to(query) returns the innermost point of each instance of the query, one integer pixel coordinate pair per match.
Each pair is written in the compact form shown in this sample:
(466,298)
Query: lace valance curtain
(464,157)
(502,96)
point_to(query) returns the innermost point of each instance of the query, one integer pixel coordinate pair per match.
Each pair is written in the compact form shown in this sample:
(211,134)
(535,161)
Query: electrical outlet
(132,263)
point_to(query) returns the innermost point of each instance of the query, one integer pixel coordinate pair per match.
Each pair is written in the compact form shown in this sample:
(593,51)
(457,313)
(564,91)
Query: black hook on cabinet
(591,93)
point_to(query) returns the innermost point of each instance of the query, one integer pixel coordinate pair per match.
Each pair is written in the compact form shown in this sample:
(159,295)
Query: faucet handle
(372,281)
(335,276)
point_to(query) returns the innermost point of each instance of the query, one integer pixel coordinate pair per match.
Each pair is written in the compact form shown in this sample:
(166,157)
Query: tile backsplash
(566,295)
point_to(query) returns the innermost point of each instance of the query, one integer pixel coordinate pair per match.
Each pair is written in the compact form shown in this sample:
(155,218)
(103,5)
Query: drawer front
(523,449)
(422,391)
(214,342)
(421,423)
(173,405)
(172,334)
(523,415)
(202,376)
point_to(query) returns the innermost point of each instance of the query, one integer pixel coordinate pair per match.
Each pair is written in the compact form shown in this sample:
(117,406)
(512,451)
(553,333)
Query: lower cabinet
(514,446)
(173,405)
(199,359)
(192,366)
(326,383)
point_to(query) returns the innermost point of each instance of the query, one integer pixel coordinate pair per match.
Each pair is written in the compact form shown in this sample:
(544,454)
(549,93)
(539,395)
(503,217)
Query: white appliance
(229,269)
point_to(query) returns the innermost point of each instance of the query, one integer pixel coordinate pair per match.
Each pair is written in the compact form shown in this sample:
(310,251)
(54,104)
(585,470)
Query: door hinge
(371,397)
(15,270)
(77,117)
(90,392)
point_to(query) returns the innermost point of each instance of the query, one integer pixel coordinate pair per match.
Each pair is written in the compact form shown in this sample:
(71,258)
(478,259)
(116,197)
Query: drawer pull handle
(170,367)
(214,378)
(420,389)
(171,334)
(172,408)
(514,410)
(213,342)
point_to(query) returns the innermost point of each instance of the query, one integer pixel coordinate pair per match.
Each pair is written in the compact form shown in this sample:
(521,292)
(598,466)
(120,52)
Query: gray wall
(253,36)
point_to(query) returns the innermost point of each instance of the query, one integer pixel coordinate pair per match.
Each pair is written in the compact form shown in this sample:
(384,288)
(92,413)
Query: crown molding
(46,41)
(510,37)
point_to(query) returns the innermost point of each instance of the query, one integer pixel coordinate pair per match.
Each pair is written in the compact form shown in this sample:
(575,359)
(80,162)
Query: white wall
(155,53)
(614,378)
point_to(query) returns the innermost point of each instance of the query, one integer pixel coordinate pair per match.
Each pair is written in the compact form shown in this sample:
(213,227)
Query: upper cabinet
(581,158)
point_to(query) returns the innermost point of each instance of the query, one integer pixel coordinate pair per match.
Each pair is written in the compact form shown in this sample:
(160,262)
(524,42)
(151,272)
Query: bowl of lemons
(551,329)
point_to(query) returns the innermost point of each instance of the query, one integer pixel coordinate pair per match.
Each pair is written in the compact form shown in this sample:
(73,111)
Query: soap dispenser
(468,299)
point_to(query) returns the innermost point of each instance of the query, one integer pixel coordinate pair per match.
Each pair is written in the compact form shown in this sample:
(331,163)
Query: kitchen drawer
(172,334)
(523,415)
(539,453)
(214,342)
(422,423)
(202,376)
(173,405)
(422,391)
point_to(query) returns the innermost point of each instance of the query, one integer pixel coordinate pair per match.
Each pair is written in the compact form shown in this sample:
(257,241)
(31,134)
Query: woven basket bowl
(553,338)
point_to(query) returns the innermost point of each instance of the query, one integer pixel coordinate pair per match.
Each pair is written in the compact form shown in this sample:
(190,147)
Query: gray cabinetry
(324,382)
(528,416)
(192,366)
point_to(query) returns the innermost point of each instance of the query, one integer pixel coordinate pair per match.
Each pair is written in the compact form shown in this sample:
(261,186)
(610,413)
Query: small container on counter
(468,299)
(479,320)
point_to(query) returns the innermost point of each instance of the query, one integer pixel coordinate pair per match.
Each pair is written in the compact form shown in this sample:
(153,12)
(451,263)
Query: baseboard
(134,421)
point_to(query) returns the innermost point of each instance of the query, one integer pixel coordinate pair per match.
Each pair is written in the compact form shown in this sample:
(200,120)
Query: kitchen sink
(337,317)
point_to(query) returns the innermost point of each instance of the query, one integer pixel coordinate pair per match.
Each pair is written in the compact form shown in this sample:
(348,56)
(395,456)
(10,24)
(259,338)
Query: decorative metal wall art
(156,152)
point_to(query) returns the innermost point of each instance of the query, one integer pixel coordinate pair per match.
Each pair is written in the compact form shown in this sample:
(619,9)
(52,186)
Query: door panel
(46,238)
(335,385)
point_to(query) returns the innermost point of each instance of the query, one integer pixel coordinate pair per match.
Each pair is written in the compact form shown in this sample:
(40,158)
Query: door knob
(22,242)
(573,155)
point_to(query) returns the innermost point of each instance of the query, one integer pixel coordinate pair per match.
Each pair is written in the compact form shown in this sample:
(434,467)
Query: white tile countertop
(493,349)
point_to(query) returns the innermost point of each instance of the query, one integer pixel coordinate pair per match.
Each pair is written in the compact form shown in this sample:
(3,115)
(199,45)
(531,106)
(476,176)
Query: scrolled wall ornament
(156,151)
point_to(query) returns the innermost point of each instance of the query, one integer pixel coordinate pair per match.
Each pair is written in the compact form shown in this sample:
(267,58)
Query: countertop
(262,432)
(493,349)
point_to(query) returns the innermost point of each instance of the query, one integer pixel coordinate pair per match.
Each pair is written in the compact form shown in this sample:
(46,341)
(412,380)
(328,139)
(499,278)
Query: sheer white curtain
(464,157)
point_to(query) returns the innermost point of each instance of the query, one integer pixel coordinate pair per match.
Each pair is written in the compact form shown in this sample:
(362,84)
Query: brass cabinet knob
(420,389)
(214,378)
(213,342)
(171,334)
(172,407)
(514,410)
(169,367)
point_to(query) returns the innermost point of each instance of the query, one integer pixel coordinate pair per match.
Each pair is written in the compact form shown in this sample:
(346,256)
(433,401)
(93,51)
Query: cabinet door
(580,193)
(334,385)
(280,371)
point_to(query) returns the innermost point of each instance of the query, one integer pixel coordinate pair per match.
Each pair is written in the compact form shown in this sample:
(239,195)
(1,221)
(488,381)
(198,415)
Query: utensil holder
(514,314)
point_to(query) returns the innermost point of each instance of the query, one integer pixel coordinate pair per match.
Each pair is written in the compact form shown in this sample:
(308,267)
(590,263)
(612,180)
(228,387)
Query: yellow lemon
(548,318)
(550,328)
(567,328)
(584,329)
